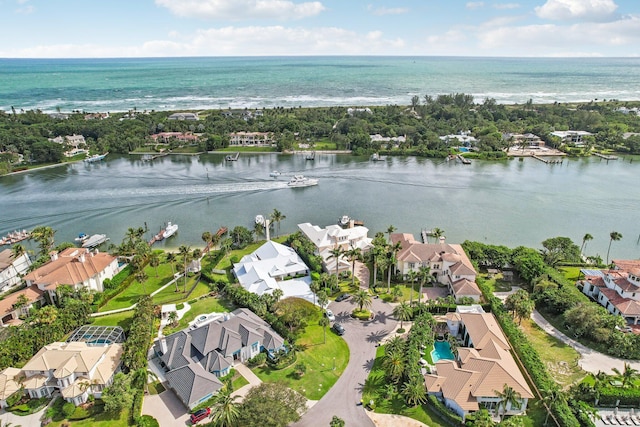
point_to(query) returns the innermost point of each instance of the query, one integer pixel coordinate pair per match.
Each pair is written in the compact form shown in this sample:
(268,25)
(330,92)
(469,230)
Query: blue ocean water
(202,83)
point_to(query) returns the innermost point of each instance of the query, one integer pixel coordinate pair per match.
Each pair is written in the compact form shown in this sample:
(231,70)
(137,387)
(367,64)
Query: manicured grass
(239,381)
(319,358)
(496,283)
(406,292)
(100,419)
(155,387)
(131,294)
(560,359)
(169,294)
(396,405)
(202,306)
(571,273)
(226,261)
(123,320)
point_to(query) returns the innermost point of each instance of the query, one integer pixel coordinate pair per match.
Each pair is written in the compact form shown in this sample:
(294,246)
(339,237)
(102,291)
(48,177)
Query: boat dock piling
(548,161)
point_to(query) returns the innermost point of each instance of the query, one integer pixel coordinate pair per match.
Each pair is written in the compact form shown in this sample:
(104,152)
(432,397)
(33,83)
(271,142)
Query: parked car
(342,297)
(338,328)
(200,415)
(329,315)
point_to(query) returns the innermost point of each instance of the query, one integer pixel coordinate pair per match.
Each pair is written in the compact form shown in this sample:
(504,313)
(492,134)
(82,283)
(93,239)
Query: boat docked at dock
(94,241)
(81,237)
(96,158)
(344,221)
(170,230)
(260,219)
(302,181)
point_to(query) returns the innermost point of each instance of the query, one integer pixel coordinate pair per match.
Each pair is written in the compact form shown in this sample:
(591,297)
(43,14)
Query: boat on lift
(170,230)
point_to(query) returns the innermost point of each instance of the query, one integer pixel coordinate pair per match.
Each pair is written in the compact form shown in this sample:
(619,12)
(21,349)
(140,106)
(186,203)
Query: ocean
(265,82)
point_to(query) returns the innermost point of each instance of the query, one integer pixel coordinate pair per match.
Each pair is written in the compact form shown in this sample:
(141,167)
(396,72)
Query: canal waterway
(510,202)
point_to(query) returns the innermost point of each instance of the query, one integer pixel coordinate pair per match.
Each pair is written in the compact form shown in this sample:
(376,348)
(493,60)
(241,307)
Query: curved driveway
(344,397)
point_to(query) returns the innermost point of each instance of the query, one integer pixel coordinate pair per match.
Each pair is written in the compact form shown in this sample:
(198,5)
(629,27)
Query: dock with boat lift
(311,156)
(232,157)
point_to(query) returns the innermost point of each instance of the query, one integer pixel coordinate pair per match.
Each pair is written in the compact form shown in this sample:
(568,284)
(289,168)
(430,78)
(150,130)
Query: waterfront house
(575,137)
(464,139)
(184,116)
(251,139)
(195,359)
(75,369)
(527,141)
(448,263)
(12,268)
(18,304)
(96,116)
(274,266)
(481,369)
(166,137)
(617,289)
(10,379)
(334,236)
(77,267)
(394,140)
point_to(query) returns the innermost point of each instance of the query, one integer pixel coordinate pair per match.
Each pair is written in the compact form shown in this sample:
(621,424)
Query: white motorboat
(260,219)
(302,181)
(275,174)
(344,220)
(95,158)
(170,230)
(95,240)
(81,237)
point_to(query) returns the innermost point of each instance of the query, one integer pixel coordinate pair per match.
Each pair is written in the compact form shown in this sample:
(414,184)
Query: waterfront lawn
(571,273)
(202,306)
(235,149)
(169,295)
(225,262)
(497,283)
(133,292)
(560,359)
(374,390)
(318,357)
(122,319)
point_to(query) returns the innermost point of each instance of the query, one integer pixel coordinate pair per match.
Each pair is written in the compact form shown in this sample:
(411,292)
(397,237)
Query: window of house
(254,347)
(412,265)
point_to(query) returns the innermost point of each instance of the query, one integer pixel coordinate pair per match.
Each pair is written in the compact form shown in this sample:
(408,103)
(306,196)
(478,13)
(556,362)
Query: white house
(617,289)
(76,369)
(10,379)
(251,139)
(77,267)
(334,236)
(524,141)
(448,264)
(274,266)
(575,137)
(12,268)
(482,368)
(463,138)
(396,140)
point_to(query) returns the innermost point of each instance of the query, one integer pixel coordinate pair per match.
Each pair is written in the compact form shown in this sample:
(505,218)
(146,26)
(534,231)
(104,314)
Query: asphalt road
(343,399)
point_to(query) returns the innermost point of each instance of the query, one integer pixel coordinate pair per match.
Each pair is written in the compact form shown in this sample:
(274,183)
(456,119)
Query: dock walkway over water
(548,161)
(605,156)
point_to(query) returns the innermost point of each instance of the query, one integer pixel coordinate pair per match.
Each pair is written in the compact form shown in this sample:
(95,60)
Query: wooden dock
(425,235)
(232,157)
(548,161)
(606,157)
(158,237)
(311,156)
(463,160)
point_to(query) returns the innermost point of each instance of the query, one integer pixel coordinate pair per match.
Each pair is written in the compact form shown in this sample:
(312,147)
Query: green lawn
(123,320)
(496,283)
(571,273)
(131,294)
(169,294)
(406,292)
(396,405)
(239,381)
(560,359)
(100,419)
(225,262)
(319,357)
(202,306)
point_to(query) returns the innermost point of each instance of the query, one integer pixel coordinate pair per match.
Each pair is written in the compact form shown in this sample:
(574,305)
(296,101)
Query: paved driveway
(344,397)
(33,420)
(166,408)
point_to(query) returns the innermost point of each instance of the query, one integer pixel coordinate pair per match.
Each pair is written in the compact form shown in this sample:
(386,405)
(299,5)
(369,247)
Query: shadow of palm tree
(381,317)
(368,364)
(377,336)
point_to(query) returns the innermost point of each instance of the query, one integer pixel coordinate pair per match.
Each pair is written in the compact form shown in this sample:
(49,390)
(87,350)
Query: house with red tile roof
(13,305)
(616,289)
(481,369)
(448,264)
(77,267)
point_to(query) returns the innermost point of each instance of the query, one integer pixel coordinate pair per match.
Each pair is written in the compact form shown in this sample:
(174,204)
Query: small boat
(95,240)
(232,157)
(302,181)
(96,158)
(260,219)
(275,174)
(375,157)
(311,156)
(81,237)
(170,230)
(344,220)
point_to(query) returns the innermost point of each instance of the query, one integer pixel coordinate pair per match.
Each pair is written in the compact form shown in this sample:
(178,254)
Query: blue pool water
(463,149)
(441,350)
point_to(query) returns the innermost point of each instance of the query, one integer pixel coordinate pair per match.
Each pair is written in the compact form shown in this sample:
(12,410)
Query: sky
(169,28)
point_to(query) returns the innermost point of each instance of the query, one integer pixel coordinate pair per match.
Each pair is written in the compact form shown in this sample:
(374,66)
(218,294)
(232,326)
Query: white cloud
(474,5)
(582,10)
(26,10)
(381,11)
(237,10)
(505,6)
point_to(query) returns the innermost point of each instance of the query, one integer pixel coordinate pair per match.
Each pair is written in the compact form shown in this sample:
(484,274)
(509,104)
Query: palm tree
(362,299)
(17,251)
(403,312)
(185,253)
(585,239)
(154,261)
(353,255)
(393,365)
(277,294)
(437,233)
(276,217)
(424,274)
(508,397)
(628,376)
(141,277)
(258,230)
(324,322)
(376,253)
(207,238)
(173,318)
(550,397)
(315,286)
(171,259)
(390,230)
(225,411)
(336,253)
(412,275)
(44,236)
(614,235)
(323,298)
(391,258)
(414,392)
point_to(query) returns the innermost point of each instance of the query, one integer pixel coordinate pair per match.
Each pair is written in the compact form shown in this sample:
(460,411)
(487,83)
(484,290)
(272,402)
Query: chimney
(442,239)
(53,255)
(81,257)
(266,226)
(163,345)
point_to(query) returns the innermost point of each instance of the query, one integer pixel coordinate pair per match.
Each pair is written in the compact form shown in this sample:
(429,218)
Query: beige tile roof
(8,382)
(483,327)
(465,287)
(74,389)
(69,269)
(32,293)
(414,251)
(35,381)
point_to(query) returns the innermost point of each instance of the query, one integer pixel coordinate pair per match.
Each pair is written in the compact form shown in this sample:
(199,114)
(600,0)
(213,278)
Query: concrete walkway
(249,376)
(590,360)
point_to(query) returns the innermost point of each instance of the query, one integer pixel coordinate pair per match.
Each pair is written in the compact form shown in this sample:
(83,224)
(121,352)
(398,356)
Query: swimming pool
(441,350)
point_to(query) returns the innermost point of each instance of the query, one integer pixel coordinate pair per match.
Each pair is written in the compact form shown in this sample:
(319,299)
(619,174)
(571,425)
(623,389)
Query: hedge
(118,284)
(445,413)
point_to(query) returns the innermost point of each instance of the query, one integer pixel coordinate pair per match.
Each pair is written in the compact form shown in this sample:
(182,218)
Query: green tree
(560,249)
(118,396)
(353,255)
(520,305)
(44,236)
(225,411)
(613,236)
(336,253)
(585,239)
(362,298)
(412,275)
(550,397)
(390,230)
(207,238)
(185,253)
(141,277)
(336,422)
(508,398)
(628,376)
(403,312)
(391,259)
(271,405)
(277,217)
(414,392)
(324,322)
(315,287)
(424,275)
(483,419)
(154,261)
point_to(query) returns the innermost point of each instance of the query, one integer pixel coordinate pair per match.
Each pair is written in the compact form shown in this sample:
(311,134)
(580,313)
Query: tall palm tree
(628,376)
(185,252)
(424,275)
(336,253)
(614,235)
(141,277)
(154,261)
(362,298)
(412,275)
(550,397)
(391,258)
(437,233)
(324,322)
(276,217)
(17,251)
(585,239)
(323,298)
(225,411)
(508,397)
(315,286)
(353,255)
(390,230)
(258,230)
(402,312)
(44,236)
(207,238)
(414,392)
